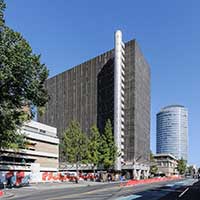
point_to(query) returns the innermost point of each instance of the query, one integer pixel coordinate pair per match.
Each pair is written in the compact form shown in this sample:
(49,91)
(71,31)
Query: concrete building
(42,150)
(172,131)
(114,85)
(167,164)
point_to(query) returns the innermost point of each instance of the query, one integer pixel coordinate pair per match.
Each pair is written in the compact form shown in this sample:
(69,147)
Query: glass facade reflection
(172,131)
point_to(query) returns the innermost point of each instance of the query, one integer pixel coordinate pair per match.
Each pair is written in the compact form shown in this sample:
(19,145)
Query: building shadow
(105,95)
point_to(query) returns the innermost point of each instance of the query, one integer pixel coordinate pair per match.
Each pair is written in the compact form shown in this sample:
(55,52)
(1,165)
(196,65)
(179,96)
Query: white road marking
(183,192)
(32,187)
(131,197)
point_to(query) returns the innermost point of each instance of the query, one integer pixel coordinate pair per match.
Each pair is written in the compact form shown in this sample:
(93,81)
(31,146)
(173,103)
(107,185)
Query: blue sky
(68,32)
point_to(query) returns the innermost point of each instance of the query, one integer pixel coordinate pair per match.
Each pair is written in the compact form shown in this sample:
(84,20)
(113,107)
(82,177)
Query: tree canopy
(95,149)
(94,145)
(2,7)
(108,149)
(153,164)
(181,167)
(74,144)
(22,78)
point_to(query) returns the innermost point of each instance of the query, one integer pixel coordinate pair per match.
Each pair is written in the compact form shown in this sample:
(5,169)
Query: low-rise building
(166,163)
(42,150)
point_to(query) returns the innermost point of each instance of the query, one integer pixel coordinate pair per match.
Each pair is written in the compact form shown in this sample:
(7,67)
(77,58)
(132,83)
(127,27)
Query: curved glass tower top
(172,131)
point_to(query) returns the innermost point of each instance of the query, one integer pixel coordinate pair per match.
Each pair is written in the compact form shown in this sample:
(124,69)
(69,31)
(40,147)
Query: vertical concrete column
(139,174)
(117,95)
(146,174)
(134,174)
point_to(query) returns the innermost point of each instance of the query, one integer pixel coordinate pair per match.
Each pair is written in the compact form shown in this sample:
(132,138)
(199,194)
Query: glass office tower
(172,131)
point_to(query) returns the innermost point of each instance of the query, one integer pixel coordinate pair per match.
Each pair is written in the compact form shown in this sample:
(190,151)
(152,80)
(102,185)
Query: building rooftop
(165,155)
(40,128)
(174,105)
(171,106)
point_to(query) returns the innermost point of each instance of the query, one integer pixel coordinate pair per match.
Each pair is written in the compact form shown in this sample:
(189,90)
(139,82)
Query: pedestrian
(76,179)
(109,178)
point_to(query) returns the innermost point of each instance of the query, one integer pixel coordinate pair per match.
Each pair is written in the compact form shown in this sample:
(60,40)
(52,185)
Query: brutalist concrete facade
(85,93)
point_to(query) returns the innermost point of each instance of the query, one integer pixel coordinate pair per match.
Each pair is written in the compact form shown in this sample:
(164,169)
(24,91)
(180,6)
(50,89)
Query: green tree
(181,166)
(2,7)
(108,148)
(153,164)
(74,145)
(94,147)
(20,143)
(22,78)
(190,170)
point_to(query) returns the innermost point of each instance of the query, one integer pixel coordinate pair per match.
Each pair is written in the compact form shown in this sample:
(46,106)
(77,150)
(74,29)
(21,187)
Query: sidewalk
(6,195)
(49,185)
(32,188)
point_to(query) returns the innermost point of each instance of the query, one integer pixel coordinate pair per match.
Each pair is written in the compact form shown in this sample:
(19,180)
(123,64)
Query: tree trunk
(77,172)
(94,179)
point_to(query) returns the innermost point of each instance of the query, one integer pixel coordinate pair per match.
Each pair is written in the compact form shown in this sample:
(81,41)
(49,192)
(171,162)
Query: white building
(42,150)
(167,164)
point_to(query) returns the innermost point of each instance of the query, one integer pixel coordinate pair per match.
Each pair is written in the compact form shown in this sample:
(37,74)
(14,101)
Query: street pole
(4,187)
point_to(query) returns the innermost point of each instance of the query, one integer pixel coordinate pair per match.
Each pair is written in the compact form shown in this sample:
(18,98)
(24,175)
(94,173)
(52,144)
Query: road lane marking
(131,197)
(167,190)
(170,185)
(183,192)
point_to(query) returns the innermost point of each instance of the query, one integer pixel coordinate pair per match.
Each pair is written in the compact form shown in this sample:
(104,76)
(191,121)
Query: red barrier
(151,180)
(1,193)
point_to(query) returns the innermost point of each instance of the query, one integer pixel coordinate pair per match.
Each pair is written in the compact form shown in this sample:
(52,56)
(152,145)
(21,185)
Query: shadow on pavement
(184,193)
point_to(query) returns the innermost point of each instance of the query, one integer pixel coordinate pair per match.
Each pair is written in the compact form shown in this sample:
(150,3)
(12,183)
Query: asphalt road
(101,191)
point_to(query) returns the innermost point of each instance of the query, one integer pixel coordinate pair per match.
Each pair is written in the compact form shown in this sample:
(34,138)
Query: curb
(6,196)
